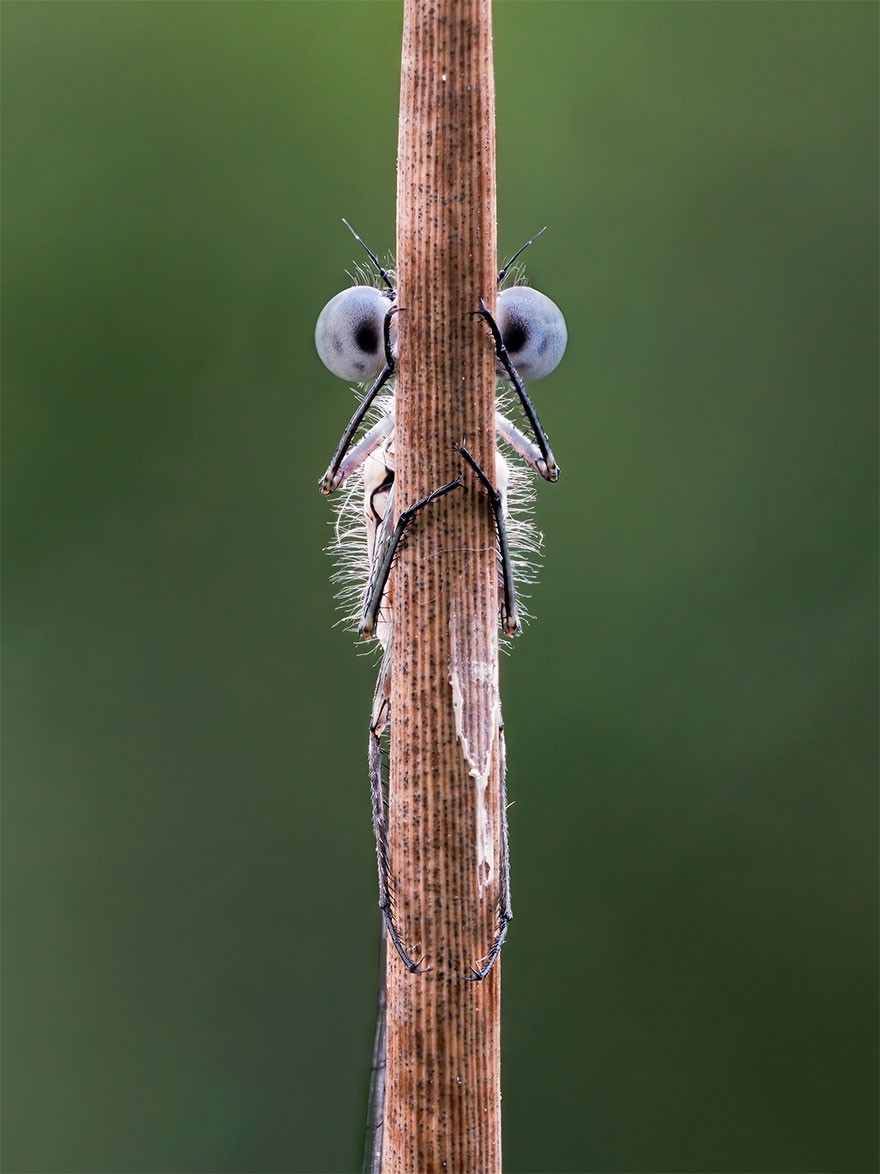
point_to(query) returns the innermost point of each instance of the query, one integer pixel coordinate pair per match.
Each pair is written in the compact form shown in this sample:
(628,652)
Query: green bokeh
(189,883)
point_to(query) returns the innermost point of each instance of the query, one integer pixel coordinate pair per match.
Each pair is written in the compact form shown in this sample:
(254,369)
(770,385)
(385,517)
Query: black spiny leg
(385,557)
(547,467)
(510,616)
(378,722)
(331,478)
(505,911)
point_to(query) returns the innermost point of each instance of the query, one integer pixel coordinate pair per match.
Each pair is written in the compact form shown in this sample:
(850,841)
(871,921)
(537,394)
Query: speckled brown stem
(443,1099)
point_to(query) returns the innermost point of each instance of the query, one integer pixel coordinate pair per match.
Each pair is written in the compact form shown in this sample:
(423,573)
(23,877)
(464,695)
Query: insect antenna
(502,273)
(383,273)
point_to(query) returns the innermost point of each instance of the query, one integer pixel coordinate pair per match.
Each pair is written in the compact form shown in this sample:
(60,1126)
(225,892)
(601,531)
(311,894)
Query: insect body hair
(526,540)
(348,546)
(349,549)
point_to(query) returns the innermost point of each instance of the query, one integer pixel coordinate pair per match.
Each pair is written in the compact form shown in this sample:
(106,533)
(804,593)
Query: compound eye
(349,335)
(533,330)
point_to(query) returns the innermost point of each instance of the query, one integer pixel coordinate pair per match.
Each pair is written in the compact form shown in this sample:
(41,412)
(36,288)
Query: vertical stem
(443,1102)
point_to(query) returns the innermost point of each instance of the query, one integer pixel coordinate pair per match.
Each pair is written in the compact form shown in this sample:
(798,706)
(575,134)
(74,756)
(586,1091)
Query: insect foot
(478,973)
(397,941)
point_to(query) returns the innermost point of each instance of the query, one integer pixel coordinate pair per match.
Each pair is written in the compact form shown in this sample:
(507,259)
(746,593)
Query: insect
(356,339)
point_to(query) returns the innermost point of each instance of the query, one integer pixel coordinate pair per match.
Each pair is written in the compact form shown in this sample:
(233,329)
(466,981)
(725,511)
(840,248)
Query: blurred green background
(189,879)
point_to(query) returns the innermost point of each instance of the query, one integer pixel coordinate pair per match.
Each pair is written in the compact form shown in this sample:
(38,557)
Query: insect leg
(356,457)
(385,556)
(378,723)
(505,910)
(547,466)
(331,479)
(520,443)
(510,615)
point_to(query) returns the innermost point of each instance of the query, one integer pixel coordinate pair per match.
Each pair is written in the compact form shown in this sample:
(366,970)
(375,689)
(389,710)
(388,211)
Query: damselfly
(356,338)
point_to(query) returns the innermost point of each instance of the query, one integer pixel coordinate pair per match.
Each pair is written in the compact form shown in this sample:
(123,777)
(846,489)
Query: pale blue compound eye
(349,335)
(533,330)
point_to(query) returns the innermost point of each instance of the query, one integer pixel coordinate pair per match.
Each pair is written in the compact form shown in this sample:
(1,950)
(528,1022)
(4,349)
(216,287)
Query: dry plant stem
(443,1103)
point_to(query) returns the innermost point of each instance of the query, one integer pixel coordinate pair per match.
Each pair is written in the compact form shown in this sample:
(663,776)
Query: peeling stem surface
(443,1101)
